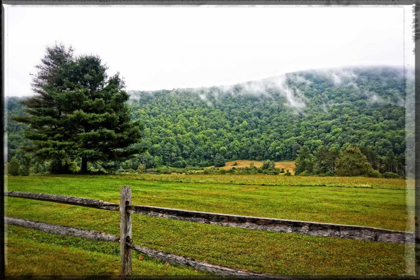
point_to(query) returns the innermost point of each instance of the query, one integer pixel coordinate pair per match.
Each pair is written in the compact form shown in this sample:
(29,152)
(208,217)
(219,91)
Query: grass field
(358,201)
(247,163)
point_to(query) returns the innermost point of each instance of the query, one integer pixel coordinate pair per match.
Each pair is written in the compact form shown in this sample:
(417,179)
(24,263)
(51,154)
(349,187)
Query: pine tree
(79,113)
(45,109)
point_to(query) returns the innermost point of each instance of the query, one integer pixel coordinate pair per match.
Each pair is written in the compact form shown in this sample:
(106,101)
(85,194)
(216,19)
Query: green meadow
(374,202)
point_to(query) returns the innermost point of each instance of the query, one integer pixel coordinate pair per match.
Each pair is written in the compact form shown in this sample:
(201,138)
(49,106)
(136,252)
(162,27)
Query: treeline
(266,120)
(330,162)
(190,127)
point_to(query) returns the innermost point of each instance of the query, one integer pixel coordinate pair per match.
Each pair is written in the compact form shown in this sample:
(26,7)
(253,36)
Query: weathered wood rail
(248,222)
(126,242)
(78,201)
(62,230)
(153,253)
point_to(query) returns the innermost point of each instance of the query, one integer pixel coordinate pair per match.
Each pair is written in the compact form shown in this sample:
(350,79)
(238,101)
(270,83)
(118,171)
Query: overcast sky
(177,47)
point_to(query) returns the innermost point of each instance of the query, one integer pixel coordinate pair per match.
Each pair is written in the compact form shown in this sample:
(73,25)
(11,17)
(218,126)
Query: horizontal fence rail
(247,222)
(99,236)
(200,265)
(279,225)
(79,201)
(62,230)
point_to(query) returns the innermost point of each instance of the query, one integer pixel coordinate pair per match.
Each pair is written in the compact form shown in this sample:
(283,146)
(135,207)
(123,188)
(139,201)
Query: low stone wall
(279,225)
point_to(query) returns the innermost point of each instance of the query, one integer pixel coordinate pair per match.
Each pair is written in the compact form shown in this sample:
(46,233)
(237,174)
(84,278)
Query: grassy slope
(383,205)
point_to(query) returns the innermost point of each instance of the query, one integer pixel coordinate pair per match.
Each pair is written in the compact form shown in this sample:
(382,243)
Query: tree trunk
(84,166)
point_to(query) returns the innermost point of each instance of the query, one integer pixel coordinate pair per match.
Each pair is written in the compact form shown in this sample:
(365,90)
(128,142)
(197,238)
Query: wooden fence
(126,242)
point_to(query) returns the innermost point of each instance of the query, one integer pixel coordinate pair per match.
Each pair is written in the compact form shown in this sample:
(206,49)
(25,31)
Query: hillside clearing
(290,165)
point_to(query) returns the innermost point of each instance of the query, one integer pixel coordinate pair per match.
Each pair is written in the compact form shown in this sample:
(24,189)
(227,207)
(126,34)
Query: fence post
(125,231)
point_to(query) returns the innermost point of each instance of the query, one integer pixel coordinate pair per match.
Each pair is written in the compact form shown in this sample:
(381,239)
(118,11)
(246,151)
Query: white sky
(176,47)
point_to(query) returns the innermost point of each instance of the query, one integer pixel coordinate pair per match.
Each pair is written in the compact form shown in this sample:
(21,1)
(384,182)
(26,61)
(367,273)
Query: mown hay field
(286,165)
(358,201)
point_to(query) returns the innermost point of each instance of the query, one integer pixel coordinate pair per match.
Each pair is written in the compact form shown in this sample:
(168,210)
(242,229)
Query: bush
(14,167)
(374,174)
(268,164)
(141,169)
(287,174)
(282,170)
(235,164)
(24,170)
(329,173)
(390,175)
(219,161)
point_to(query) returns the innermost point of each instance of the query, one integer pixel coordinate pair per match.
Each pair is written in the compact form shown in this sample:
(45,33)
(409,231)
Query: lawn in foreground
(34,253)
(265,252)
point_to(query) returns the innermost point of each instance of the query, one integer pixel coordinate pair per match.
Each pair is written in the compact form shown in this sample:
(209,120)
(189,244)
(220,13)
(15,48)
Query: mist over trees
(324,111)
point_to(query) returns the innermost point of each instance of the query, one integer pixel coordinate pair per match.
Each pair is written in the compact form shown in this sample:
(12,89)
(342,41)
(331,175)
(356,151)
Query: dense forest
(271,119)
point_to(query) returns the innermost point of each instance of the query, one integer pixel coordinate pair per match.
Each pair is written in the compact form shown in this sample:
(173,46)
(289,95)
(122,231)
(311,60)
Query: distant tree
(304,161)
(333,155)
(14,167)
(321,161)
(268,165)
(78,113)
(219,161)
(353,163)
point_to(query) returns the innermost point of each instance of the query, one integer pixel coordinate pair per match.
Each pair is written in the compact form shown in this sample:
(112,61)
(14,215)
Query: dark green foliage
(194,125)
(219,161)
(353,163)
(78,113)
(390,175)
(305,162)
(25,166)
(14,167)
(268,165)
(375,173)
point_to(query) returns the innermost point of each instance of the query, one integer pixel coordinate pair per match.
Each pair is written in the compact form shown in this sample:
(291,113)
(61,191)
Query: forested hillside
(270,119)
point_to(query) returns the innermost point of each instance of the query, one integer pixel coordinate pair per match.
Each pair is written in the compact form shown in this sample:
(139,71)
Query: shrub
(14,167)
(305,173)
(24,170)
(287,174)
(141,169)
(268,164)
(390,175)
(374,174)
(219,161)
(329,173)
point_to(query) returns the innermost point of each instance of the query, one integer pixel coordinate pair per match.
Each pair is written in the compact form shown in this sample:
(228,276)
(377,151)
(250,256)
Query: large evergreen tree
(78,112)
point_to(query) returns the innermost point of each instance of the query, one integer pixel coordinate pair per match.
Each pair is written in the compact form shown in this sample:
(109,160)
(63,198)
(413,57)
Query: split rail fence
(126,242)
